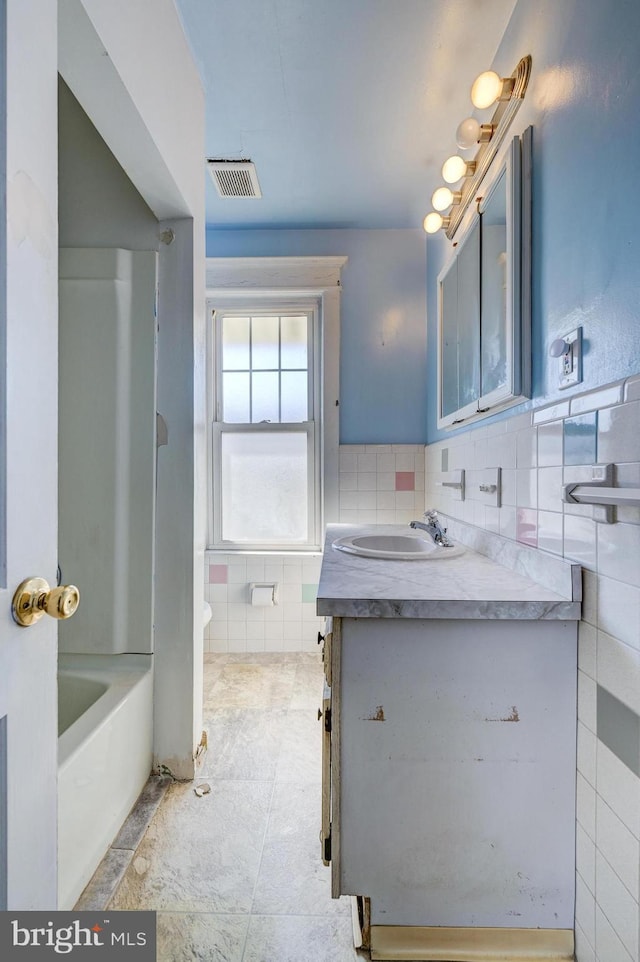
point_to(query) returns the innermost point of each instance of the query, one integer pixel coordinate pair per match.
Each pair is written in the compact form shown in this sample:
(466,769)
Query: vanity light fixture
(488,88)
(433,222)
(443,198)
(471,132)
(456,167)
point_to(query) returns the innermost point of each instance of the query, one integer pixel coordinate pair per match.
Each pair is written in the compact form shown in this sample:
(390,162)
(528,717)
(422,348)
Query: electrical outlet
(570,361)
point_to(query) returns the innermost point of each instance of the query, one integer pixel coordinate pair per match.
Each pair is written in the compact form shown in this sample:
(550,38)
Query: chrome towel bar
(601,492)
(455,480)
(585,494)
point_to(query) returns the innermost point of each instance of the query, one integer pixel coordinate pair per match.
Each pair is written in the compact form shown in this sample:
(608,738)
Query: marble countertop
(468,586)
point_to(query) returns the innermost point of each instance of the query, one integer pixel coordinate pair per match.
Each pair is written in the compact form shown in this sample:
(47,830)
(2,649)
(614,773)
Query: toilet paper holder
(263,594)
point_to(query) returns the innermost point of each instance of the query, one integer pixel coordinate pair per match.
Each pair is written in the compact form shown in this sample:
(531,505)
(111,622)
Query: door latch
(34,598)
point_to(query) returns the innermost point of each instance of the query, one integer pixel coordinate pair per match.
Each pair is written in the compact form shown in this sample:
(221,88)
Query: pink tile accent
(527,527)
(405,481)
(217,574)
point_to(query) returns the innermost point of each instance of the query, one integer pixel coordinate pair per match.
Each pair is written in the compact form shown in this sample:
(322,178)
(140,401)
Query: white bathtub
(104,757)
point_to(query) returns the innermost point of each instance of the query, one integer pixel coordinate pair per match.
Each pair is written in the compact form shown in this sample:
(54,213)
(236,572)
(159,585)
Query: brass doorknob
(33,598)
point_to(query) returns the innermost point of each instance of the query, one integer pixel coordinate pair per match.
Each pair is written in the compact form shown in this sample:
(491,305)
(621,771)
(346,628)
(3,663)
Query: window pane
(264,487)
(494,308)
(264,342)
(294,342)
(235,343)
(264,397)
(295,406)
(235,398)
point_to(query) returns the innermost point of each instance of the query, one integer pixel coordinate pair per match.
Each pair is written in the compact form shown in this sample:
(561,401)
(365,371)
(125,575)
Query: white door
(28,449)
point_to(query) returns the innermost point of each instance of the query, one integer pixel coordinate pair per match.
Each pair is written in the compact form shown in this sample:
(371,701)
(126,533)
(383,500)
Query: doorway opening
(108,277)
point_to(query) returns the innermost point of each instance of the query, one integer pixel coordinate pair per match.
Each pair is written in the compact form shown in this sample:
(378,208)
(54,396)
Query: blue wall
(383,364)
(584,103)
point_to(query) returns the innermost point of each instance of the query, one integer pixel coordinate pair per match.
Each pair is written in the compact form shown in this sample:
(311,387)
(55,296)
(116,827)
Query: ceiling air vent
(235,178)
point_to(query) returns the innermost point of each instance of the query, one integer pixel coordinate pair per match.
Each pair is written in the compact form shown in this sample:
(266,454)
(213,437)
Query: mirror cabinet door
(469,319)
(460,328)
(448,347)
(483,317)
(495,282)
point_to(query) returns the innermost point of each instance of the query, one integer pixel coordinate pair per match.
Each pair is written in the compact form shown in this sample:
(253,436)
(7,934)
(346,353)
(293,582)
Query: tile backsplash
(381,483)
(538,453)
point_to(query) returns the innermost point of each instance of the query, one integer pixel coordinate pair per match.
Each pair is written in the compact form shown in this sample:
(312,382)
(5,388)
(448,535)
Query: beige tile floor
(236,875)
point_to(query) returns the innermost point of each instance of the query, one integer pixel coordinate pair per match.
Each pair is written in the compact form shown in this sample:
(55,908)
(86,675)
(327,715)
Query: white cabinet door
(28,449)
(457,779)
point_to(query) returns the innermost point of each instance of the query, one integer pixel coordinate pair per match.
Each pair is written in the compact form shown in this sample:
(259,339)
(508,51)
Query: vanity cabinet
(449,778)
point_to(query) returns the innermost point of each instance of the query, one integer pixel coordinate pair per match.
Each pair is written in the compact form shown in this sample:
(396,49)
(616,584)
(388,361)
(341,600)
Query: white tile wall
(291,625)
(608,945)
(618,846)
(608,792)
(585,925)
(379,484)
(617,905)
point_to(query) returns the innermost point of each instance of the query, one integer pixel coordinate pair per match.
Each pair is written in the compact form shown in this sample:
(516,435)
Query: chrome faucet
(434,528)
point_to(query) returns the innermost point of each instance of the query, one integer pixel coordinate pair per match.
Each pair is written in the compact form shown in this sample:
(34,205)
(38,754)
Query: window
(273,373)
(266,436)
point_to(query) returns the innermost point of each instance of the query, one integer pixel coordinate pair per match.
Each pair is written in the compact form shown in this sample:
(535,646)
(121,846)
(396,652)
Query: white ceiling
(347,107)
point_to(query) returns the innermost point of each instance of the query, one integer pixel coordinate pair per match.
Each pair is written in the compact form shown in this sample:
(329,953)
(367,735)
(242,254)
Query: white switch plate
(570,364)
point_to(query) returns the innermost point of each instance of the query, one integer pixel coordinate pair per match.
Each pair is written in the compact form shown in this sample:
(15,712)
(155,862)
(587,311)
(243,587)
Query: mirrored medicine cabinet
(484,298)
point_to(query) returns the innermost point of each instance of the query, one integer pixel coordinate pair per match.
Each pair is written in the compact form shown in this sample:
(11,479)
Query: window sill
(257,553)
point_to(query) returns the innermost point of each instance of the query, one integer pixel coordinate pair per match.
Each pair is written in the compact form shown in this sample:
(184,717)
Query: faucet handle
(431,514)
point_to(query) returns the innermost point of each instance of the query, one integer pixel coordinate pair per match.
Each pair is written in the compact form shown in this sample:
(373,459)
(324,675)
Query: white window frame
(282,284)
(220,426)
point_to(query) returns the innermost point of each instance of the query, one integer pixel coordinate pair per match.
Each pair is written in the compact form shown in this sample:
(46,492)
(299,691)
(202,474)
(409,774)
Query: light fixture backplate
(501,121)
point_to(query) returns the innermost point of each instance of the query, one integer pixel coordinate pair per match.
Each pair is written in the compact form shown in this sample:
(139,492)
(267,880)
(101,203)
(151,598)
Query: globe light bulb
(454,169)
(486,89)
(433,222)
(442,198)
(468,133)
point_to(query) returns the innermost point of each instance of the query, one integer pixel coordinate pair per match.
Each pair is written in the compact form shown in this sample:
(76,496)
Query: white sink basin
(396,547)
